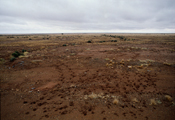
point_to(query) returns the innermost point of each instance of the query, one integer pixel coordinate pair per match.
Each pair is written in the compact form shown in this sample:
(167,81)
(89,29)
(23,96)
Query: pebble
(129,67)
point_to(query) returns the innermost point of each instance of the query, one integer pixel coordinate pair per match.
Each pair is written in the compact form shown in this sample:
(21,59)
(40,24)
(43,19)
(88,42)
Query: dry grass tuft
(169,98)
(115,101)
(153,102)
(93,96)
(135,100)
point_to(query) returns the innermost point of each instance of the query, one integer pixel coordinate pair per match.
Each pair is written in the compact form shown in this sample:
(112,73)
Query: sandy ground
(63,77)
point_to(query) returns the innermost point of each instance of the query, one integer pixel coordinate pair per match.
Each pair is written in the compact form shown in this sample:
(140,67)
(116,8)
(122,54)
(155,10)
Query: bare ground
(131,78)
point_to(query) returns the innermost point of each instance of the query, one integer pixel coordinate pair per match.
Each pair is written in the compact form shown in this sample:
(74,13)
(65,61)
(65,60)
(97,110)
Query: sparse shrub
(135,100)
(113,40)
(64,45)
(89,41)
(169,98)
(153,102)
(12,59)
(115,101)
(121,37)
(30,39)
(93,96)
(73,43)
(23,50)
(104,41)
(16,54)
(2,60)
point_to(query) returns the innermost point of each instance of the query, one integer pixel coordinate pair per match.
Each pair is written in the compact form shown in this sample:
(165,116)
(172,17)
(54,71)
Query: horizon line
(88,33)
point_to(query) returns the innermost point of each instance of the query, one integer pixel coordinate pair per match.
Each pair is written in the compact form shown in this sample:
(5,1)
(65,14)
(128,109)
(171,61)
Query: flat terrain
(87,77)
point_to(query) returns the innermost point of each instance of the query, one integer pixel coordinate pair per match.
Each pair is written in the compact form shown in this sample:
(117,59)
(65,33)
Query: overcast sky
(72,16)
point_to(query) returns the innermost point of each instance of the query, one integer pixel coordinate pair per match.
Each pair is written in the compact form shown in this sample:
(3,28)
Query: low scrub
(89,41)
(113,40)
(64,45)
(16,54)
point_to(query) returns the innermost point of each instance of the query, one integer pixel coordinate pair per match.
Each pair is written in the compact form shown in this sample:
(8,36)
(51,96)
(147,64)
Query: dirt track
(63,77)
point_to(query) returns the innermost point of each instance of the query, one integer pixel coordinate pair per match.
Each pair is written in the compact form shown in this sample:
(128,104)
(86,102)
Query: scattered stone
(129,67)
(122,62)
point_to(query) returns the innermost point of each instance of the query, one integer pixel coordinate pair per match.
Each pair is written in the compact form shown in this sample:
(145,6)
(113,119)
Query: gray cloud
(19,16)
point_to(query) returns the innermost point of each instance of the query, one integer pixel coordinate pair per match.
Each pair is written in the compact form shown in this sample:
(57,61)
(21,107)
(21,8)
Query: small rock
(129,67)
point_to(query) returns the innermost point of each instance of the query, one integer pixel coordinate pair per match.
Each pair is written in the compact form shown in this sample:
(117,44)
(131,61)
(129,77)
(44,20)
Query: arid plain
(87,76)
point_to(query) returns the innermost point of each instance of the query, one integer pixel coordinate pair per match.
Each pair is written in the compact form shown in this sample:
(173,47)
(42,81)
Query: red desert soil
(63,77)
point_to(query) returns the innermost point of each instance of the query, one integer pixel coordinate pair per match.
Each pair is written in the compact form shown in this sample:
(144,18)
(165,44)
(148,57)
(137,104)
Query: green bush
(64,45)
(23,50)
(113,40)
(12,59)
(16,54)
(121,37)
(89,41)
(73,44)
